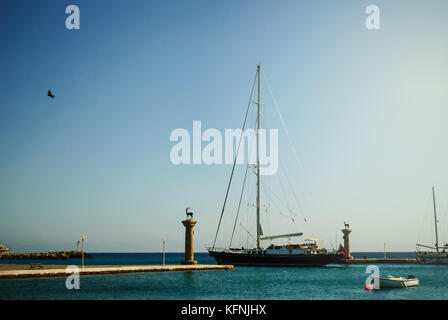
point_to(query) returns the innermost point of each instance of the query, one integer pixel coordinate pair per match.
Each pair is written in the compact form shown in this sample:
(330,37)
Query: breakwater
(100,270)
(58,255)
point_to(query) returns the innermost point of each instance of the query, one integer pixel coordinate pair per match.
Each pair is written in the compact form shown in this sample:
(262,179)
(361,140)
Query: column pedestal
(346,233)
(189,253)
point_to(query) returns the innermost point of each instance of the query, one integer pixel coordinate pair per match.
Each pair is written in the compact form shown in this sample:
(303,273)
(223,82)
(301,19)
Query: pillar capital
(189,223)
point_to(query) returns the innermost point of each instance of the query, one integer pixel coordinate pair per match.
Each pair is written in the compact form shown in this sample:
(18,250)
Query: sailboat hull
(275,260)
(433,258)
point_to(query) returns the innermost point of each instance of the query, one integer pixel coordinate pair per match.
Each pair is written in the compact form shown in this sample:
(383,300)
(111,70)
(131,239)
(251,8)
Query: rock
(60,255)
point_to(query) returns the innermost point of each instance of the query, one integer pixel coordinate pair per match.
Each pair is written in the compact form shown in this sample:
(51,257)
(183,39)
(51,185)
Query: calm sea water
(334,282)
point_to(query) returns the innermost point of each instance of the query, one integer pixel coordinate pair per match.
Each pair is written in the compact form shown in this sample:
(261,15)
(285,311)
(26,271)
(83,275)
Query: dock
(61,271)
(350,260)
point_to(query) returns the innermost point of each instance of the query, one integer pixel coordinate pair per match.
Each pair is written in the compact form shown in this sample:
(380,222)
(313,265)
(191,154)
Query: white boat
(392,282)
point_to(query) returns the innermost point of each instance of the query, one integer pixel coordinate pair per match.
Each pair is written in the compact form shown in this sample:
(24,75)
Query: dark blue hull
(276,260)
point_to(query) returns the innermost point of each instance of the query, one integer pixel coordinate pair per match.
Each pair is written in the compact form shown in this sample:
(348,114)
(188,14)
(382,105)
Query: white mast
(258,159)
(435,219)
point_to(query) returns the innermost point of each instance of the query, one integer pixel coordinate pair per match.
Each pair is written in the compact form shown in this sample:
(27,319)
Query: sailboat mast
(258,158)
(435,219)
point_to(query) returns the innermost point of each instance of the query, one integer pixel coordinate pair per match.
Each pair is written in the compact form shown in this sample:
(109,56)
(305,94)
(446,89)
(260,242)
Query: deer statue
(189,214)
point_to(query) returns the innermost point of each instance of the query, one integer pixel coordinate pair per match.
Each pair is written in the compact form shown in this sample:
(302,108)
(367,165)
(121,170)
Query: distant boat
(290,254)
(392,282)
(437,254)
(3,249)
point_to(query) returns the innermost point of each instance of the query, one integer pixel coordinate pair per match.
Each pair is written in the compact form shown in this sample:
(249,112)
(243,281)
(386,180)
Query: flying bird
(50,94)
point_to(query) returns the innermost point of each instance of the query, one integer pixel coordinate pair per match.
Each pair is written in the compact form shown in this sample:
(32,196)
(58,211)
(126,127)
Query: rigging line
(266,181)
(244,184)
(247,224)
(265,205)
(279,209)
(284,194)
(239,205)
(281,119)
(296,198)
(248,232)
(278,198)
(293,193)
(290,143)
(282,214)
(428,213)
(286,203)
(234,162)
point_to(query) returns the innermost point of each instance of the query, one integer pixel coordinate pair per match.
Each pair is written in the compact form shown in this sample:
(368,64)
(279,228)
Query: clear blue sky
(366,110)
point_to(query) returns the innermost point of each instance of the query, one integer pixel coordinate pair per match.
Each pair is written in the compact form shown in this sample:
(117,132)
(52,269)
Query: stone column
(346,233)
(189,253)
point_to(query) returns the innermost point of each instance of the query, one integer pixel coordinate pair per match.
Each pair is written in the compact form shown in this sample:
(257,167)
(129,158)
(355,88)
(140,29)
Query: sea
(333,282)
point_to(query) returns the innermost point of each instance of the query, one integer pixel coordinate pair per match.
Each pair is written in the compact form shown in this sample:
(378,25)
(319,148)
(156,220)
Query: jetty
(55,255)
(349,259)
(63,271)
(31,270)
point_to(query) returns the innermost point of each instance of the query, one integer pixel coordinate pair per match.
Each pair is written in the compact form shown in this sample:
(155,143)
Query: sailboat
(437,254)
(291,253)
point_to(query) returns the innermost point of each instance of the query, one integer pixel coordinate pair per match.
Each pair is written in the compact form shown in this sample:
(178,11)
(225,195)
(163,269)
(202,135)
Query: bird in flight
(50,94)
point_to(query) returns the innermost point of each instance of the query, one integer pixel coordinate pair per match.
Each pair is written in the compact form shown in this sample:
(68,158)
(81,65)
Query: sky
(365,110)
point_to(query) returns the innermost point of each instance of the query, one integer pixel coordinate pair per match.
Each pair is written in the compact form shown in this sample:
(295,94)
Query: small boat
(392,282)
(3,249)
